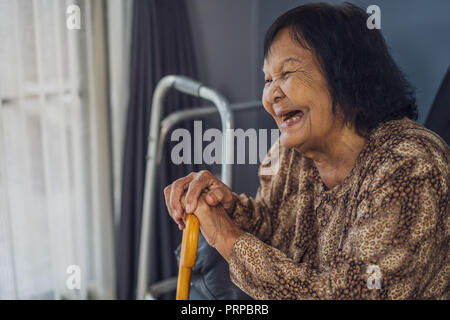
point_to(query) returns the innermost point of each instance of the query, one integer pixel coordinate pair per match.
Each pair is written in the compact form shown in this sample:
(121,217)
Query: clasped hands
(208,198)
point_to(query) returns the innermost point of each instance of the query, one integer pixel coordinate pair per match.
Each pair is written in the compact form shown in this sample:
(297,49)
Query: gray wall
(224,35)
(229,35)
(226,38)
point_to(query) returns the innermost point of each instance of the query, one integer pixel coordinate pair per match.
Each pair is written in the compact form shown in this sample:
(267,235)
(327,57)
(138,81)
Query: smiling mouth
(292,117)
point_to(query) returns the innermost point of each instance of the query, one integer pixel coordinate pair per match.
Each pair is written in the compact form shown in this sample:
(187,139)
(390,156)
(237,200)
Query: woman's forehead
(284,47)
(278,63)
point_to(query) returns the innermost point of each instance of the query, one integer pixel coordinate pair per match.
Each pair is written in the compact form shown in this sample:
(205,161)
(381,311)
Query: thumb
(214,196)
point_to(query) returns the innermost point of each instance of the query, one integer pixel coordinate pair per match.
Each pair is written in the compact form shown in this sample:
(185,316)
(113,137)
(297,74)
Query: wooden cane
(189,245)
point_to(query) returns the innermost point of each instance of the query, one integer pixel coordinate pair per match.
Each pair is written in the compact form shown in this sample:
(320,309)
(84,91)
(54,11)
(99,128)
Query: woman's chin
(288,141)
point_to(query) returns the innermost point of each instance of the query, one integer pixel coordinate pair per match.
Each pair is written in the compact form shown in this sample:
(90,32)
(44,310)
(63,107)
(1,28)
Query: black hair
(363,79)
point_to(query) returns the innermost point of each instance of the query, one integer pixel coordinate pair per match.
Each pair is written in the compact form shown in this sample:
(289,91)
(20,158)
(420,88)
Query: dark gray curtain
(161,45)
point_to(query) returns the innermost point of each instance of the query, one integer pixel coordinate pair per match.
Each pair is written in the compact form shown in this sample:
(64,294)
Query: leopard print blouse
(383,233)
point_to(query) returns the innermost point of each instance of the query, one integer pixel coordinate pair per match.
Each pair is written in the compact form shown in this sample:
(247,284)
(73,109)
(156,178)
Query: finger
(175,217)
(200,182)
(178,221)
(211,199)
(215,196)
(167,198)
(167,192)
(177,190)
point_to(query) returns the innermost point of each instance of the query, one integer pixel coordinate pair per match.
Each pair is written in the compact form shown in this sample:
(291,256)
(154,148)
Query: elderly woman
(360,205)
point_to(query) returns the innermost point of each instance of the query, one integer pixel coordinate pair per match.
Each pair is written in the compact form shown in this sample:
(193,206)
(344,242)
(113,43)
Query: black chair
(210,278)
(438,119)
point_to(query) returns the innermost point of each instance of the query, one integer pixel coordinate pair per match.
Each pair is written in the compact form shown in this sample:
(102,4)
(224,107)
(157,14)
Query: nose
(274,92)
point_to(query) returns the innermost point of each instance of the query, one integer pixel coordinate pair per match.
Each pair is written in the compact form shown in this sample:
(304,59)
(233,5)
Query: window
(55,180)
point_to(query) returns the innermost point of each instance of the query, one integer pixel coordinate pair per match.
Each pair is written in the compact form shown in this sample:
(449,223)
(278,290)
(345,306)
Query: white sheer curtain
(119,15)
(56,184)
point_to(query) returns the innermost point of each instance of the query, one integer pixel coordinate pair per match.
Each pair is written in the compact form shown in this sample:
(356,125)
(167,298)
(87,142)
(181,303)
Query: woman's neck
(336,157)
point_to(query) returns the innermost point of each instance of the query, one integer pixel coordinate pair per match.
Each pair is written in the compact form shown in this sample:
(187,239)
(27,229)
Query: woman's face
(296,95)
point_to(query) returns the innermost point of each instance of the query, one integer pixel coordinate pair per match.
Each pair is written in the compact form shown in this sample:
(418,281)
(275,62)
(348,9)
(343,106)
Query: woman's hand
(216,226)
(195,183)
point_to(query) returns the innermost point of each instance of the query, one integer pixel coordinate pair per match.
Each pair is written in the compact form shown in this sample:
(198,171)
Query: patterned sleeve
(396,248)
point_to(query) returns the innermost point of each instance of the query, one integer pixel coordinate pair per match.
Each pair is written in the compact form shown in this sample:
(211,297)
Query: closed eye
(285,73)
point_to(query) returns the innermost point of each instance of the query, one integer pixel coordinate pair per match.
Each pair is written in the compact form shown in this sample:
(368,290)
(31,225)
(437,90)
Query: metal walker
(157,135)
